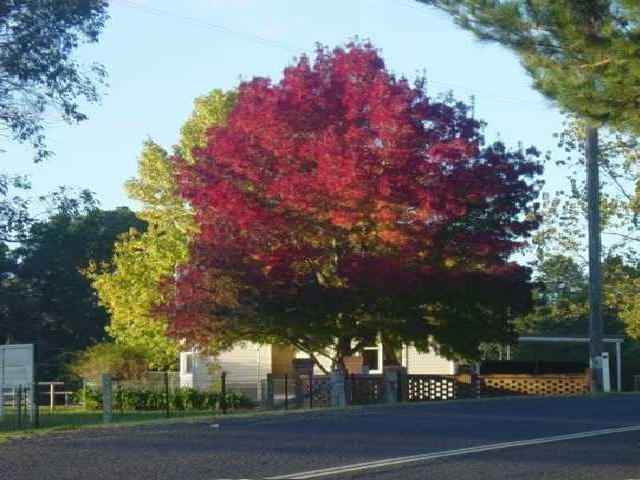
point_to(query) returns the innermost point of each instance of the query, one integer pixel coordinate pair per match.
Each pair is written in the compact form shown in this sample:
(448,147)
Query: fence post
(166,393)
(403,388)
(391,384)
(338,397)
(475,380)
(1,403)
(270,390)
(37,408)
(298,390)
(52,397)
(223,392)
(353,400)
(107,403)
(286,391)
(33,420)
(120,399)
(19,405)
(310,390)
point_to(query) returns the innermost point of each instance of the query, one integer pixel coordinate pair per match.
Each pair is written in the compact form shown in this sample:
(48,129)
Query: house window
(370,358)
(188,363)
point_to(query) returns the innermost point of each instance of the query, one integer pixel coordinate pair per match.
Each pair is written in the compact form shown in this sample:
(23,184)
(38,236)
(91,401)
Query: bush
(121,361)
(91,398)
(180,400)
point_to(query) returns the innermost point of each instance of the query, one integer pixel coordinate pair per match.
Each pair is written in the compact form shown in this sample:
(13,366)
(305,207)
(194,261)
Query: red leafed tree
(341,204)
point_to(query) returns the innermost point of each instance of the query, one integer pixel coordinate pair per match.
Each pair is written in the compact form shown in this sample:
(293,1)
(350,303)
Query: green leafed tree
(128,285)
(46,300)
(565,210)
(582,54)
(565,218)
(38,72)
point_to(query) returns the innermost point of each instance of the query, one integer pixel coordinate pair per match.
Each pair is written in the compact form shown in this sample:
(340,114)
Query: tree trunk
(390,355)
(595,247)
(343,349)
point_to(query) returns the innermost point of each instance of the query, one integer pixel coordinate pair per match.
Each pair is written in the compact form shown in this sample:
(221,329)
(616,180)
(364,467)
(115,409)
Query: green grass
(74,418)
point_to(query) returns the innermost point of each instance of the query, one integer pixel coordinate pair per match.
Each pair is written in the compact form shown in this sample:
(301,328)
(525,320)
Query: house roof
(566,339)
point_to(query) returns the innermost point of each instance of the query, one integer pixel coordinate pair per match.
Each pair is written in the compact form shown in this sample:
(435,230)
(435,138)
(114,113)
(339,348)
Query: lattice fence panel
(492,385)
(431,387)
(321,391)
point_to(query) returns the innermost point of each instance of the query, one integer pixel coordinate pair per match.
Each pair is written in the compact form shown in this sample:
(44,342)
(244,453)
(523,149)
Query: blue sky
(158,63)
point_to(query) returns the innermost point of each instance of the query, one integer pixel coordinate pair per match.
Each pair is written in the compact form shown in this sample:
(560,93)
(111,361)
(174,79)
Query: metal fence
(16,411)
(314,391)
(304,391)
(158,394)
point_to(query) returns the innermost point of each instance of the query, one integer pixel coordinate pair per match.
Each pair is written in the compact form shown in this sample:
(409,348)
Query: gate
(364,389)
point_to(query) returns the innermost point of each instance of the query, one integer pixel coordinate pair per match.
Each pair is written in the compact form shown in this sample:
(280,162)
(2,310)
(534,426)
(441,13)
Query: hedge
(183,399)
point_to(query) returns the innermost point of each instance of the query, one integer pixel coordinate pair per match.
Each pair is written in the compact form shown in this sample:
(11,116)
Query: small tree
(128,285)
(119,360)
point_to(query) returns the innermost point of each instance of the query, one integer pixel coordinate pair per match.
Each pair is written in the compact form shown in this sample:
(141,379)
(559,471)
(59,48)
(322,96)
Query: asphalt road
(295,444)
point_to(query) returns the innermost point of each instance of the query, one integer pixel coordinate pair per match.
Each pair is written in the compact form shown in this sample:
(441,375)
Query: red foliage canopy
(342,202)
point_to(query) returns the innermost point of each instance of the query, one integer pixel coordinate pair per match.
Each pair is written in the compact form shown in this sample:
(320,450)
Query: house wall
(427,363)
(204,371)
(247,365)
(324,361)
(246,362)
(282,360)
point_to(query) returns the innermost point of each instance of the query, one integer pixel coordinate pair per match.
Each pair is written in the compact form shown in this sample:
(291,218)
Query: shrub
(180,400)
(91,398)
(121,361)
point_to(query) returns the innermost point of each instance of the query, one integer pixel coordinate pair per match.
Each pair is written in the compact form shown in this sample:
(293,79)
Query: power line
(481,93)
(209,26)
(490,96)
(297,49)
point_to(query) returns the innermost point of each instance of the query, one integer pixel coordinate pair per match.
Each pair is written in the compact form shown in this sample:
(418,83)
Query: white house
(247,365)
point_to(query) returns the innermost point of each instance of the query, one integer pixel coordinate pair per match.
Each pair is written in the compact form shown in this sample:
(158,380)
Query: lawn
(74,417)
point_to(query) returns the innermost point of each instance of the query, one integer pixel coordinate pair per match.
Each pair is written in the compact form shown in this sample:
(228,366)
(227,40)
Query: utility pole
(595,248)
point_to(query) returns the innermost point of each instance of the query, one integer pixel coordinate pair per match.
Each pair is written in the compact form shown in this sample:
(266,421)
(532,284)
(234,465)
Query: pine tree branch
(596,64)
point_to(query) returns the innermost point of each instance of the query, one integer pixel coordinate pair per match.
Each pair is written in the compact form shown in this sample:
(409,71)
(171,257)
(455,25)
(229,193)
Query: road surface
(523,438)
